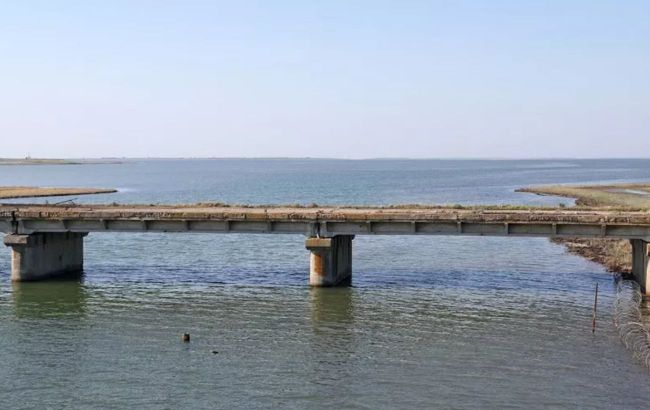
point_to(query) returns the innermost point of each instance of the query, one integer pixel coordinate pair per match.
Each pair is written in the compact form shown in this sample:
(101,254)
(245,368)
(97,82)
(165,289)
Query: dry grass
(618,195)
(34,192)
(614,254)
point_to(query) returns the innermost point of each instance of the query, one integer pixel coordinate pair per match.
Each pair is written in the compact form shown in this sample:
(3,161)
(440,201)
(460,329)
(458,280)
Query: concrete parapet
(330,261)
(45,255)
(641,264)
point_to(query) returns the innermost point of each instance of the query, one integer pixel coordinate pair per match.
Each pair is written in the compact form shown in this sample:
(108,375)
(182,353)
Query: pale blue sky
(348,79)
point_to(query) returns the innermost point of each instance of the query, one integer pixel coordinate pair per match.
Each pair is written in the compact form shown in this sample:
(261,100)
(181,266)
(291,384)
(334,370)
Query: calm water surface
(445,322)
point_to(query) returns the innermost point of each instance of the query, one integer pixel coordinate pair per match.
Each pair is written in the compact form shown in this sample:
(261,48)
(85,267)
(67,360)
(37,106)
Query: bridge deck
(324,221)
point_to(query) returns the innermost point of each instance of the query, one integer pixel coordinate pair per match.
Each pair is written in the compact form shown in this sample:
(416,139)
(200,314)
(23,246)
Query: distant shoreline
(53,161)
(120,160)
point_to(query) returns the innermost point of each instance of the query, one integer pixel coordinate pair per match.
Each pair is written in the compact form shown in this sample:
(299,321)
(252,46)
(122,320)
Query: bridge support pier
(330,261)
(45,255)
(641,264)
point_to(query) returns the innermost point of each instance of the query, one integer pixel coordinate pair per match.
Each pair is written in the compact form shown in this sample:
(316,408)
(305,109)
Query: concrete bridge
(47,240)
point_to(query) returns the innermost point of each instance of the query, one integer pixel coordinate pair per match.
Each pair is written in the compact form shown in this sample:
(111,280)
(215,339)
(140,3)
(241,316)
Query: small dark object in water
(593,322)
(186,337)
(215,352)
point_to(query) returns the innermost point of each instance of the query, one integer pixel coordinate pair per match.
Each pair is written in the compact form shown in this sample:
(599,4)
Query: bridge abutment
(641,264)
(330,261)
(45,255)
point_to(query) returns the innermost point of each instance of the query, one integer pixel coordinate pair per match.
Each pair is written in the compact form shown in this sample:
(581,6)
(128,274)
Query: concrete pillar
(331,260)
(641,265)
(45,255)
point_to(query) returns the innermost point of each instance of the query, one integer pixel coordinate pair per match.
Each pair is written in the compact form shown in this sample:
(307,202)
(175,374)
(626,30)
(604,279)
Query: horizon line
(319,158)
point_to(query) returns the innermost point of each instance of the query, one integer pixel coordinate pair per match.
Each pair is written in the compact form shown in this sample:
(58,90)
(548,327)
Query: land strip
(616,195)
(34,192)
(614,254)
(54,161)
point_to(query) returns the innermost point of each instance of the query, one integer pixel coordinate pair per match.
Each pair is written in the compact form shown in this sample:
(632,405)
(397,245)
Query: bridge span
(47,240)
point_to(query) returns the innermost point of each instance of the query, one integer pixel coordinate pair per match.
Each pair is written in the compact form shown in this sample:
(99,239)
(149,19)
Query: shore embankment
(614,254)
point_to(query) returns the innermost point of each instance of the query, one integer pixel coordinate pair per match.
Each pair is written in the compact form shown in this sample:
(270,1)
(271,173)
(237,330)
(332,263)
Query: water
(449,322)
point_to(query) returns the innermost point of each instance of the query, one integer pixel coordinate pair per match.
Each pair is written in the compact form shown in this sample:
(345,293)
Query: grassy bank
(614,254)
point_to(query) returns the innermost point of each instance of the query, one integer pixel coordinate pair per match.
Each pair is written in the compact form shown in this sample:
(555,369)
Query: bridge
(47,240)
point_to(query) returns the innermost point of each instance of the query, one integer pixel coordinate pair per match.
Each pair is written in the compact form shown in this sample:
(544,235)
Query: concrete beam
(641,265)
(45,255)
(550,228)
(330,260)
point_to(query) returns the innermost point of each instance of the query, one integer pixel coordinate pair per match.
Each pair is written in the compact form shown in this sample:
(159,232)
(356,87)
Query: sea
(429,321)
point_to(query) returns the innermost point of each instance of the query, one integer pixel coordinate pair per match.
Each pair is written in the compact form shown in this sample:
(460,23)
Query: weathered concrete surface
(330,261)
(287,213)
(641,265)
(45,255)
(9,192)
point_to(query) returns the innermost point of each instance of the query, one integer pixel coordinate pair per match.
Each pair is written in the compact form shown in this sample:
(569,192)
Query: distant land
(636,196)
(55,161)
(123,159)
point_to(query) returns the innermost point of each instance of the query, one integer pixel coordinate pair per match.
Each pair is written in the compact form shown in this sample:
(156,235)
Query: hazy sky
(349,79)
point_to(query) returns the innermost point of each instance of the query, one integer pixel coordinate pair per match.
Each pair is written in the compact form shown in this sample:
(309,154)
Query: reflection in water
(331,306)
(332,342)
(49,298)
